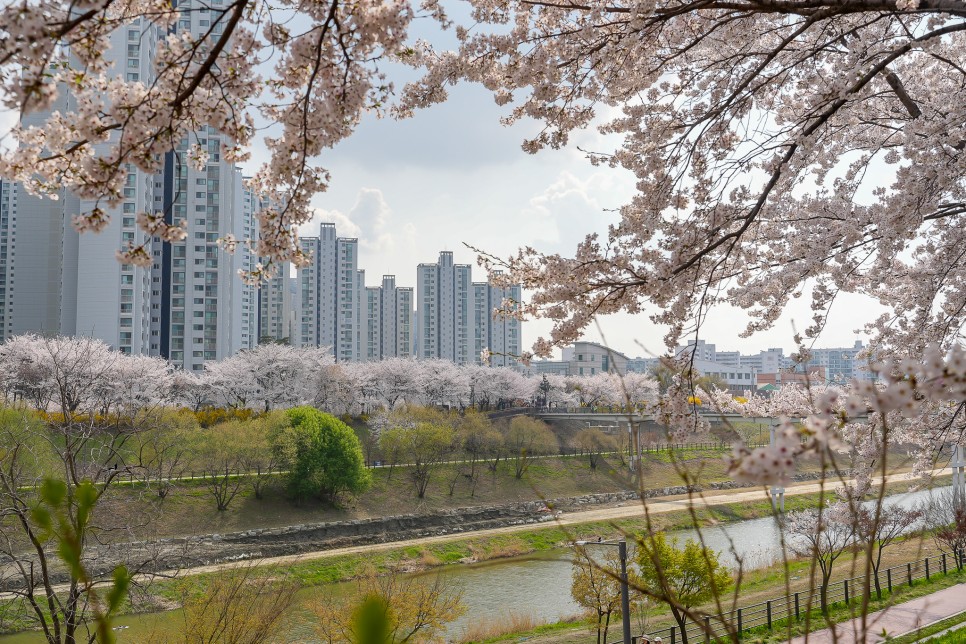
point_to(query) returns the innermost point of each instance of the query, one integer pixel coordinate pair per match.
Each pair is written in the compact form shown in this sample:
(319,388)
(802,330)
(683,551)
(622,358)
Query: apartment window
(132,76)
(133,34)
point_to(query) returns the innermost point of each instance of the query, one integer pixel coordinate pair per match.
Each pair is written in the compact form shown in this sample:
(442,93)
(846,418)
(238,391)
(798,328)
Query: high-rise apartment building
(388,321)
(8,204)
(189,306)
(332,292)
(493,331)
(278,309)
(445,322)
(56,281)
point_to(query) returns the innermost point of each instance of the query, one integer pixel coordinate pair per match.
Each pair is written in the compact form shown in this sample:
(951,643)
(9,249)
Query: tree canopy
(323,454)
(681,577)
(776,146)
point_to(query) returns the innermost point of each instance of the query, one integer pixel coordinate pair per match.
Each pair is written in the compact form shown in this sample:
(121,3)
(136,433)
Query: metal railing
(772,612)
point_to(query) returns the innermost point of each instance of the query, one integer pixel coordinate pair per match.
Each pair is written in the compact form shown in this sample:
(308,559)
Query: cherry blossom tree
(497,387)
(778,147)
(880,527)
(601,388)
(442,382)
(97,406)
(822,535)
(301,74)
(268,376)
(395,380)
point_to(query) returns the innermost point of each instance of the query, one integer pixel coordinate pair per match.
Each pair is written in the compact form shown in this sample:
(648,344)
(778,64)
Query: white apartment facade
(492,331)
(333,295)
(388,321)
(443,298)
(189,306)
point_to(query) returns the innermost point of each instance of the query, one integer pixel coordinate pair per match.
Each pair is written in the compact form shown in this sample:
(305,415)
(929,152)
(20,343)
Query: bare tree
(878,527)
(58,474)
(823,535)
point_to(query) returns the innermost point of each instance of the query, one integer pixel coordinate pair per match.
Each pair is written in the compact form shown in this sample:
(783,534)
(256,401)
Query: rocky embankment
(201,550)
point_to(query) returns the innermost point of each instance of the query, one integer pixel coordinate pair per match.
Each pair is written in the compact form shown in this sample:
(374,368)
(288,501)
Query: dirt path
(657,505)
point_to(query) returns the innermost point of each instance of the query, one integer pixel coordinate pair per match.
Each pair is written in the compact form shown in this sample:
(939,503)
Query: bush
(210,416)
(323,455)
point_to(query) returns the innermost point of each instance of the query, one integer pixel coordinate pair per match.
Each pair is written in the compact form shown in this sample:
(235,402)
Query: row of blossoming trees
(59,375)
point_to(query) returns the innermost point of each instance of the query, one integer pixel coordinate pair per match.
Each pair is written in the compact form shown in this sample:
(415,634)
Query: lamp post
(625,598)
(545,387)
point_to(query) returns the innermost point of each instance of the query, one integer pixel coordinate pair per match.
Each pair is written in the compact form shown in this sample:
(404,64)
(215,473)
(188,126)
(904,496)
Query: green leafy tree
(162,452)
(597,587)
(423,446)
(323,454)
(681,578)
(480,441)
(526,438)
(258,457)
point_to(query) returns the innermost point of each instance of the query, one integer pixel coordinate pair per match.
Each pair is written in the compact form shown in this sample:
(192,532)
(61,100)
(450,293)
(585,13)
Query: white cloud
(368,220)
(569,208)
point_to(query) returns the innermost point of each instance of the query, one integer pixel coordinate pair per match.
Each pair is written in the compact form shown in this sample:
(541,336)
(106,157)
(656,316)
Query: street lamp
(625,599)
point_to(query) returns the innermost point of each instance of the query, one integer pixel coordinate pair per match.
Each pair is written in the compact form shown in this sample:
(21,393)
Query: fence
(770,612)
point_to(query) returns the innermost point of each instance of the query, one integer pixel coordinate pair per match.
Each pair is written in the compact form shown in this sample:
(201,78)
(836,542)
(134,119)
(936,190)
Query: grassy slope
(189,509)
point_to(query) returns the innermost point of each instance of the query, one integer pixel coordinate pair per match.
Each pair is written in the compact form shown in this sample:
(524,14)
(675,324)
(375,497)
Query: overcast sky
(453,175)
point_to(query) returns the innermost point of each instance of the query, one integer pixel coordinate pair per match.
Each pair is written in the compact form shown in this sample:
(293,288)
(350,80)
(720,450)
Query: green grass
(955,637)
(783,629)
(958,635)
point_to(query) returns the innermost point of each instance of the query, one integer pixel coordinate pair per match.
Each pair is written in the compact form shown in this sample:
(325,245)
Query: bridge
(593,415)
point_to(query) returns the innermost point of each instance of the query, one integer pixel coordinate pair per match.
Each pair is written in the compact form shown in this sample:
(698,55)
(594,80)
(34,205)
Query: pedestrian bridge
(596,416)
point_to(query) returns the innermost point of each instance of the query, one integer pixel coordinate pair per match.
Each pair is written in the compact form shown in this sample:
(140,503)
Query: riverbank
(315,569)
(769,583)
(421,554)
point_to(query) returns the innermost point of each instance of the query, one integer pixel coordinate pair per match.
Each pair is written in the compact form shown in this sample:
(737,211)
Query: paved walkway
(895,620)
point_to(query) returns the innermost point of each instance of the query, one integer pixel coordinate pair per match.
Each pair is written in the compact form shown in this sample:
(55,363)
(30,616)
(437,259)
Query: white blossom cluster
(86,376)
(308,70)
(778,148)
(919,403)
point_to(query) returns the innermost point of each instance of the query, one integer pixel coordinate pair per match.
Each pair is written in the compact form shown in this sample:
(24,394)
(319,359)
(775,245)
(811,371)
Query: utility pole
(625,591)
(777,491)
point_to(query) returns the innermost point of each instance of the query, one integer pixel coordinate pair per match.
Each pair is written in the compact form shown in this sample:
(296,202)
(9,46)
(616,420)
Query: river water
(539,584)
